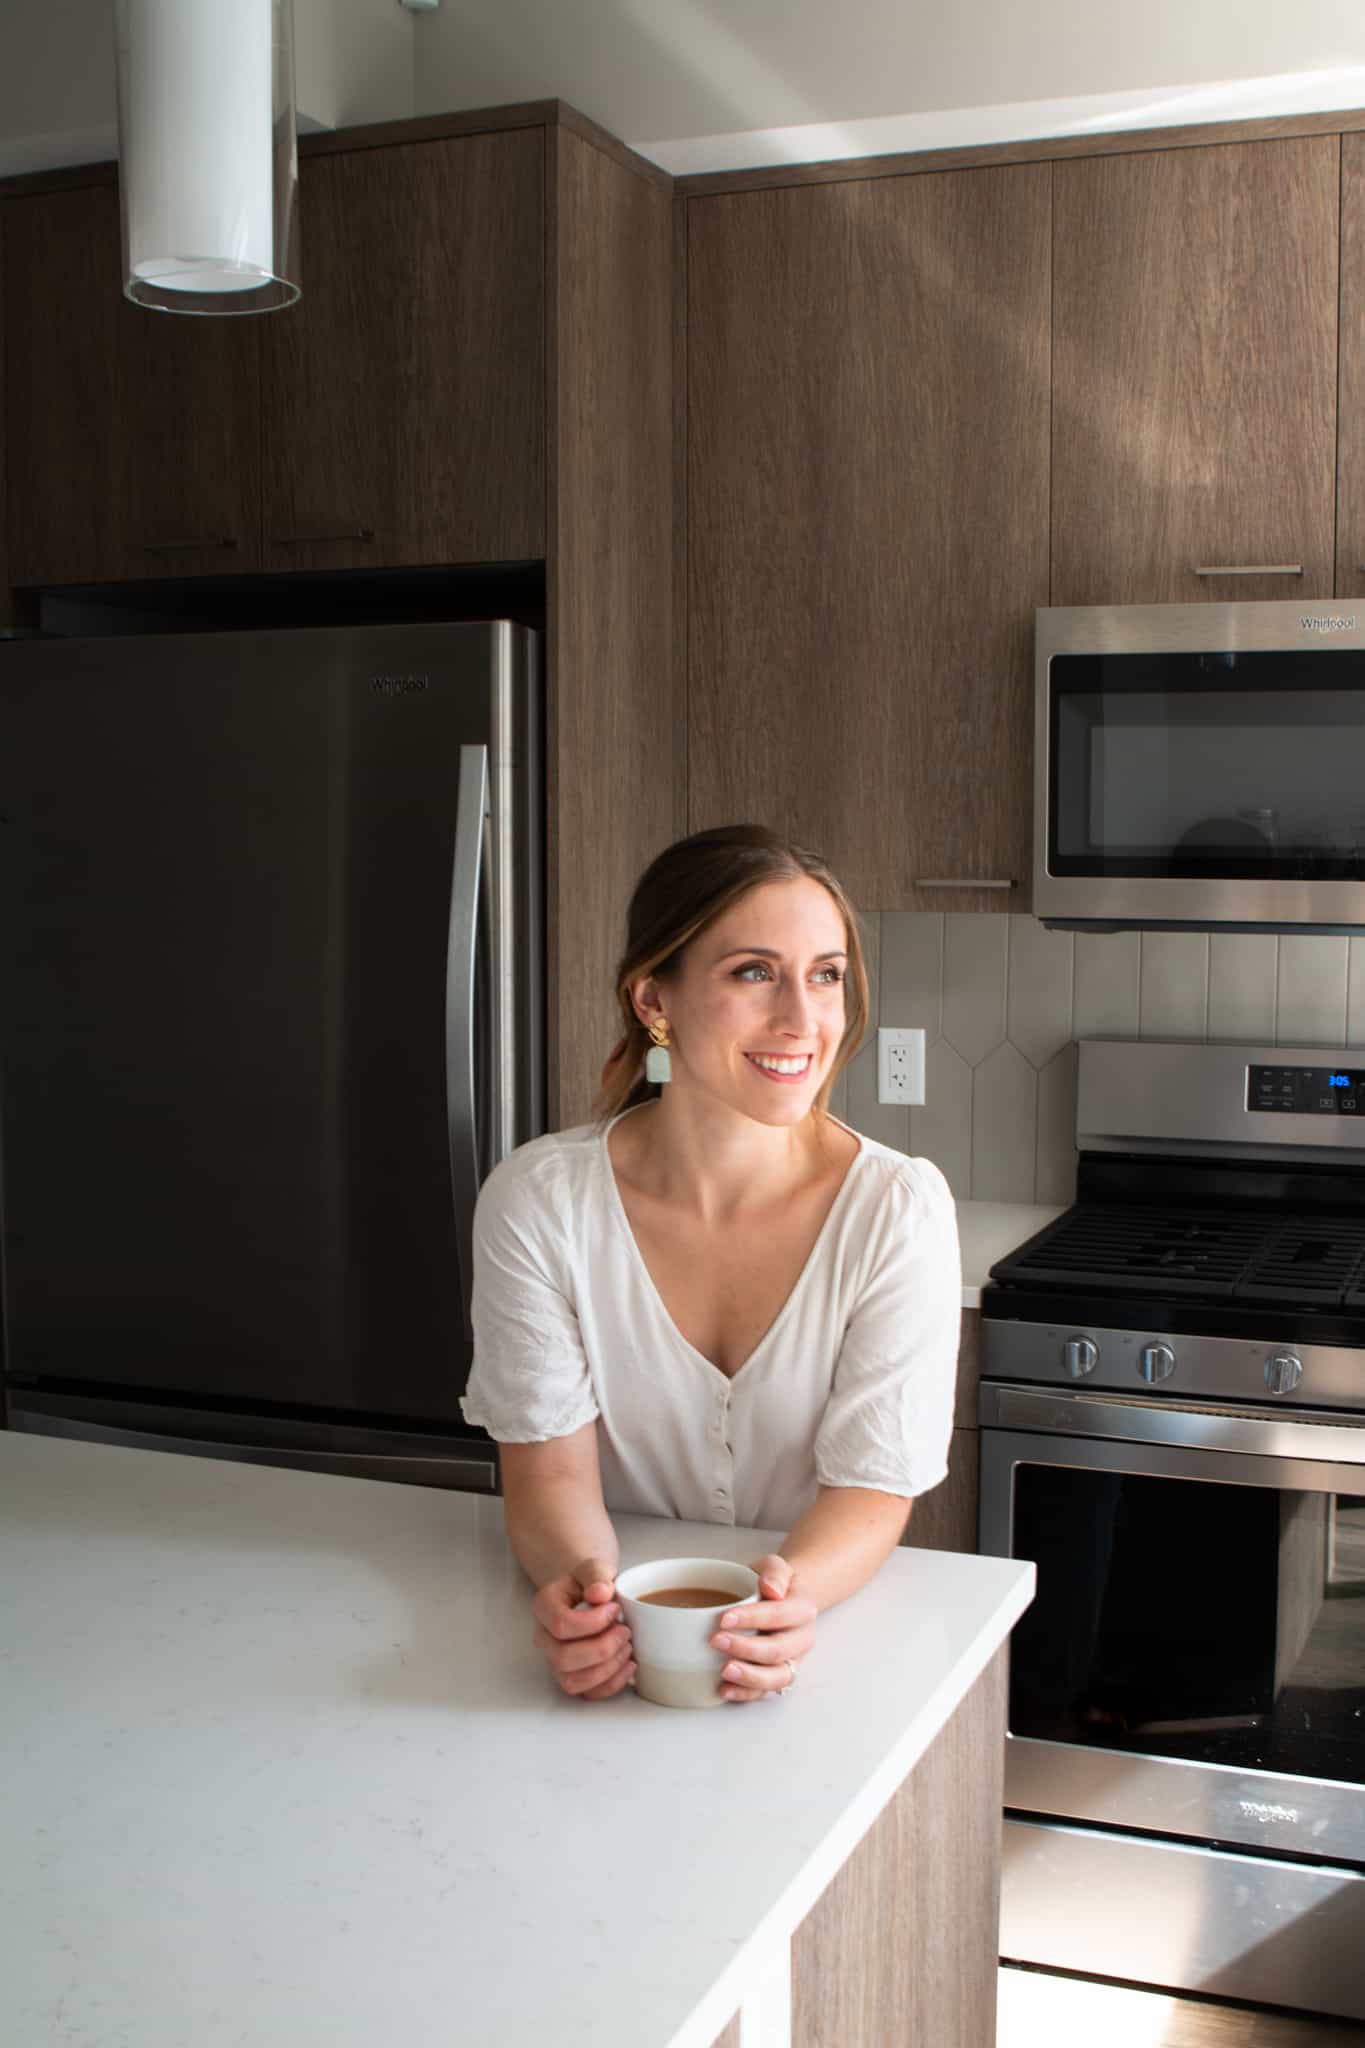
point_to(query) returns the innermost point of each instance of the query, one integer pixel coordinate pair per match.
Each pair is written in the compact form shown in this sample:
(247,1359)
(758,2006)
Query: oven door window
(1230,766)
(1174,1618)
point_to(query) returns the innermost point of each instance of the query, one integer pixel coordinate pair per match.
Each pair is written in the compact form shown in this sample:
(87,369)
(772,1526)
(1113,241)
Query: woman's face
(756,1009)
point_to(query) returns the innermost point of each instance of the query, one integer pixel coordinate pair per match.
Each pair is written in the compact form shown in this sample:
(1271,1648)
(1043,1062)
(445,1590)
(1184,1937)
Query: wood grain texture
(612,712)
(899,1951)
(404,395)
(867,513)
(1350,578)
(946,1518)
(129,431)
(968,1371)
(1194,394)
(901,1947)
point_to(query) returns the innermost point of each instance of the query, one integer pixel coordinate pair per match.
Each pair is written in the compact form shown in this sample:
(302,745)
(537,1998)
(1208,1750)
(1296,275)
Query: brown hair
(682,891)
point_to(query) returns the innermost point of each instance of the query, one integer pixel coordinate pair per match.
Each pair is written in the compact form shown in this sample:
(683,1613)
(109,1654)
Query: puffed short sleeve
(888,1421)
(530,1379)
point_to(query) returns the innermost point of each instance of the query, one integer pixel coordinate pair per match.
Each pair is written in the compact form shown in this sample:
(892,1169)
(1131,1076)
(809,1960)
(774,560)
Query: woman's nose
(795,1009)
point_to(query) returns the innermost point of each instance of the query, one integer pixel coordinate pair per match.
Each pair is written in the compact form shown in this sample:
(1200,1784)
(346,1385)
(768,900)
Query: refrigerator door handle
(471,827)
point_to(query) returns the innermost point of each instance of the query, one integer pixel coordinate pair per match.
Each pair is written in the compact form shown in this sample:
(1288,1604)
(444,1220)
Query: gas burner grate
(1254,1257)
(1175,1251)
(1310,1259)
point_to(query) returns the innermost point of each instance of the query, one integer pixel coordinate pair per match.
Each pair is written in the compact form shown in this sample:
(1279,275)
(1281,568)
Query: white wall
(353,62)
(651,70)
(792,78)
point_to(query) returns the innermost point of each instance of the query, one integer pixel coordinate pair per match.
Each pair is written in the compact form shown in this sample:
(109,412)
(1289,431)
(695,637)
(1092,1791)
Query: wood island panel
(867,521)
(965,1403)
(945,1518)
(403,396)
(901,1947)
(1194,384)
(614,740)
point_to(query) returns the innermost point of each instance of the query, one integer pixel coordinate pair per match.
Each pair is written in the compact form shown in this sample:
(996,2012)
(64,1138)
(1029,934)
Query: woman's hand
(757,1665)
(588,1652)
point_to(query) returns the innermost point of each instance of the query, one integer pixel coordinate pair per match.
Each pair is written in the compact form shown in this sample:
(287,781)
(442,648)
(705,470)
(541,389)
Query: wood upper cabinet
(132,440)
(1351,422)
(867,443)
(1194,373)
(404,395)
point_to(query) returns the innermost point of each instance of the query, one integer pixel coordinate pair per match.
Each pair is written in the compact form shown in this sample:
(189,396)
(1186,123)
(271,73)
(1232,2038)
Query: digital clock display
(1307,1091)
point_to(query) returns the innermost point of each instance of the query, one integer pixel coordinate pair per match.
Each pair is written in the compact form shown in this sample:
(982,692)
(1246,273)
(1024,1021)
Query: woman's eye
(827,975)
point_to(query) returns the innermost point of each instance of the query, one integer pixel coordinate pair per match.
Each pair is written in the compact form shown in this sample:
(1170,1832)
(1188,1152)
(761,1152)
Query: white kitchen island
(281,1767)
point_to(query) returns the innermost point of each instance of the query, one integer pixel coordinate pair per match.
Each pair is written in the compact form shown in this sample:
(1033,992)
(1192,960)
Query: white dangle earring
(658,1065)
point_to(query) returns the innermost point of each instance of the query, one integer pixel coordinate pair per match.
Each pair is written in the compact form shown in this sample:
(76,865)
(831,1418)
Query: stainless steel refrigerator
(271,1007)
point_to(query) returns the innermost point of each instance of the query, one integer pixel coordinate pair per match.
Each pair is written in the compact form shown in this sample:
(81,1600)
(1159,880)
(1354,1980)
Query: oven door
(1193,1665)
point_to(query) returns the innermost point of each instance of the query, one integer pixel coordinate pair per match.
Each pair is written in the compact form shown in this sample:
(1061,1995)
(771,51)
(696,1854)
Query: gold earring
(658,1065)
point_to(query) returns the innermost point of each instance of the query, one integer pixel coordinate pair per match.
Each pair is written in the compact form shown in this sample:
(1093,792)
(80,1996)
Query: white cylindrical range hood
(208,167)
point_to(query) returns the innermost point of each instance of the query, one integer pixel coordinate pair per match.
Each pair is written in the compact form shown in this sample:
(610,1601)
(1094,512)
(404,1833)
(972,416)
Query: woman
(718,1302)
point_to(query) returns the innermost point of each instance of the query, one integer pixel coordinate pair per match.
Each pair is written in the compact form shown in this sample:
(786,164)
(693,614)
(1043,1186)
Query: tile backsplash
(1002,1002)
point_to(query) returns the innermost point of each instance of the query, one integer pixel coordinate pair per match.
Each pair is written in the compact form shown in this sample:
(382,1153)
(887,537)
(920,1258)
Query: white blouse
(852,1384)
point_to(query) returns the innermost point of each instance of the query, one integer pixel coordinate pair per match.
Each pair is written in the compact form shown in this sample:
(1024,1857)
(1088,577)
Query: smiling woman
(718,1302)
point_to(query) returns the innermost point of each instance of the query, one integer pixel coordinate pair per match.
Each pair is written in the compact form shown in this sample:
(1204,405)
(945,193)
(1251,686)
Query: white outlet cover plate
(900,1064)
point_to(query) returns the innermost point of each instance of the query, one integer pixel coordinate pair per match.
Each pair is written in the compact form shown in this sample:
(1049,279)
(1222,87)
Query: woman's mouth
(781,1067)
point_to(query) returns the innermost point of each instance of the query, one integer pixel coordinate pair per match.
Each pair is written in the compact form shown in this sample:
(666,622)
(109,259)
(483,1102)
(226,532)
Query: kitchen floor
(1078,2012)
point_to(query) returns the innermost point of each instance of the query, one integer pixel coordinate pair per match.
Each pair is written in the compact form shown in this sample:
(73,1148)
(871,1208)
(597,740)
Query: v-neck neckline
(649,1280)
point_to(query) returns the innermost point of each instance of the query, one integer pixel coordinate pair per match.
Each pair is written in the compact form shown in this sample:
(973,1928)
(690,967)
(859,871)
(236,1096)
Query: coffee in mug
(672,1608)
(689,1596)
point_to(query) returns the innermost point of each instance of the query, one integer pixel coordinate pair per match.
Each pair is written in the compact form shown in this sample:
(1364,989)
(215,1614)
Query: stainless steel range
(1173,1428)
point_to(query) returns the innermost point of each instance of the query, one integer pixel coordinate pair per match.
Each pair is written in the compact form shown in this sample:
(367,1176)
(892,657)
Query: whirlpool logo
(1268,1811)
(1326,622)
(399,686)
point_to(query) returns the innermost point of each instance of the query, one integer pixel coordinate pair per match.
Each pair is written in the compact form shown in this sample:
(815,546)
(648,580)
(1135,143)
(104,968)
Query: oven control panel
(1307,1091)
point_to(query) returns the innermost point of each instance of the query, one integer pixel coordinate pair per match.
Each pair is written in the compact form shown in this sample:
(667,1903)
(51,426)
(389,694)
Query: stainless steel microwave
(1200,765)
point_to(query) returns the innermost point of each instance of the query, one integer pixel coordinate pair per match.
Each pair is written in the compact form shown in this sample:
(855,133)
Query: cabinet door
(1194,373)
(133,441)
(405,393)
(946,1518)
(1351,421)
(867,460)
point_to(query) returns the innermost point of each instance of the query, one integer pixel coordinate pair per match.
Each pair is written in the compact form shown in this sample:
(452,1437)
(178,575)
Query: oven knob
(1156,1362)
(1283,1372)
(1080,1355)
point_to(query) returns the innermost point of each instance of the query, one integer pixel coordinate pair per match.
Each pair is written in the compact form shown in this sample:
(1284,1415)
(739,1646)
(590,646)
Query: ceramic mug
(675,1665)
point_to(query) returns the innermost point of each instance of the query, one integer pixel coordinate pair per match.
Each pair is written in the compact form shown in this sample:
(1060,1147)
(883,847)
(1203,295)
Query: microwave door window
(1196,765)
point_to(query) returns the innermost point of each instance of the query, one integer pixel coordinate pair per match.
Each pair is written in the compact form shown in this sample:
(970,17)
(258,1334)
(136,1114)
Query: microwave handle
(958,882)
(1253,569)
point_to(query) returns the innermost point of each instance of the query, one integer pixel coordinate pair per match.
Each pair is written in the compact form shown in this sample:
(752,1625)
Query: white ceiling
(711,84)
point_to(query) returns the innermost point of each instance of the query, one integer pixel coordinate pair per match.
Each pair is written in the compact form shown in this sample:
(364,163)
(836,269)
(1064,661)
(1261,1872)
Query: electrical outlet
(900,1065)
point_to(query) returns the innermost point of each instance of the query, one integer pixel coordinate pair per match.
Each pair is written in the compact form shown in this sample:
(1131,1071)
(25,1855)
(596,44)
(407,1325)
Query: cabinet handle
(185,547)
(1255,569)
(301,540)
(960,882)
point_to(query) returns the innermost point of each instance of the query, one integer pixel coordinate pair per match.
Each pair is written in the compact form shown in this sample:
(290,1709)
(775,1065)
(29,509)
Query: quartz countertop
(990,1229)
(282,1766)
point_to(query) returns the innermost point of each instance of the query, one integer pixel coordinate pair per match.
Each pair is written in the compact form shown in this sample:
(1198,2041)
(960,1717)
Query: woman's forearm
(553,1507)
(842,1540)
